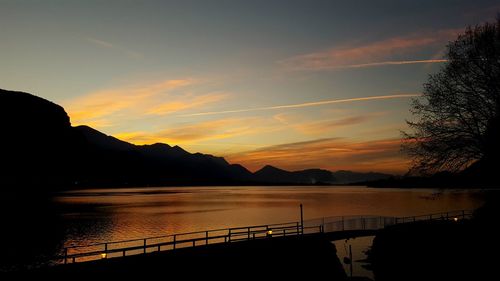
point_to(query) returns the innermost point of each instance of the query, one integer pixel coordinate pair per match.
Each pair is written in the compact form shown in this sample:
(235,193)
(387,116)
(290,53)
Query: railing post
(175,238)
(194,243)
(350,258)
(124,252)
(73,260)
(298,229)
(253,236)
(229,236)
(284,232)
(249,233)
(301,219)
(106,248)
(158,248)
(206,237)
(447,216)
(144,246)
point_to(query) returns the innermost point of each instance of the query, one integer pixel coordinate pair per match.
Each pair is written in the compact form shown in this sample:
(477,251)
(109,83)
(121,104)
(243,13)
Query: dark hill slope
(41,151)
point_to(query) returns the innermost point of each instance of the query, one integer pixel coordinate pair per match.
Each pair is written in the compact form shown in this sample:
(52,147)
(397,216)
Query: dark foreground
(440,250)
(309,257)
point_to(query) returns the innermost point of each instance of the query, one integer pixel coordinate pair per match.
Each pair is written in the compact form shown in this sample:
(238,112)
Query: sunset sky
(295,84)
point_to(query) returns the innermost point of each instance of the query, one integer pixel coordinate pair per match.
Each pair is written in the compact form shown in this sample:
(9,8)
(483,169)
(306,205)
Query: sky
(294,84)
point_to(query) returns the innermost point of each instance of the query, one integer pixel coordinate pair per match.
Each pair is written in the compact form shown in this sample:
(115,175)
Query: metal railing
(123,248)
(346,223)
(95,251)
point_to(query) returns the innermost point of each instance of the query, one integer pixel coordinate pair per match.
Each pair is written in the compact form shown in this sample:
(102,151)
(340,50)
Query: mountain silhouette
(350,177)
(41,151)
(314,176)
(124,163)
(311,176)
(38,144)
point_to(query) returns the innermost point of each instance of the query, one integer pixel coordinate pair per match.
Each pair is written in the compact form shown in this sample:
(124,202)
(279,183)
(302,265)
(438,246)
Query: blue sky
(147,71)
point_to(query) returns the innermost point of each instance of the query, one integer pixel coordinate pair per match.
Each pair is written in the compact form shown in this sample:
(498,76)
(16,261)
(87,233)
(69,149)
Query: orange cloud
(332,153)
(193,133)
(104,106)
(371,54)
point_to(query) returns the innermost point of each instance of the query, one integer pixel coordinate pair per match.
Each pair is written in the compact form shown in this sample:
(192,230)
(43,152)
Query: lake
(100,215)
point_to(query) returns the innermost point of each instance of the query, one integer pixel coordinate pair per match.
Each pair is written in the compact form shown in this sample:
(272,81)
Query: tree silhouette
(457,118)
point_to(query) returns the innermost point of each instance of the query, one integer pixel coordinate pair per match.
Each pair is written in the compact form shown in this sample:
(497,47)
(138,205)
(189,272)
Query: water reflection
(117,214)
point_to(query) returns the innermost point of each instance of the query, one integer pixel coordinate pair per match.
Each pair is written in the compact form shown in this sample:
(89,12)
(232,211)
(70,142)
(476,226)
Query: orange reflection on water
(118,214)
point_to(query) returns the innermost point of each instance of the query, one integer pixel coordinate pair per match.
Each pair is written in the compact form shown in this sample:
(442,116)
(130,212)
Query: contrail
(392,63)
(307,104)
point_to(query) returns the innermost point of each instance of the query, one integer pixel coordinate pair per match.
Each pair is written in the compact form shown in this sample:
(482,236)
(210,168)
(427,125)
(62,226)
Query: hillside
(44,152)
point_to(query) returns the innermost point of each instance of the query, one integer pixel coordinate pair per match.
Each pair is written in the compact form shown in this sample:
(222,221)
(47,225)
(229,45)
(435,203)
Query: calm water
(101,215)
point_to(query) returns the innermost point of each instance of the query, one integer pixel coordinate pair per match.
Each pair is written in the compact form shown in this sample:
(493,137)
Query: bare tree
(457,117)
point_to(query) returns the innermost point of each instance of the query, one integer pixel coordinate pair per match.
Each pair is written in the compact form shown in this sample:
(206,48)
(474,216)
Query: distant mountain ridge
(311,176)
(315,176)
(43,149)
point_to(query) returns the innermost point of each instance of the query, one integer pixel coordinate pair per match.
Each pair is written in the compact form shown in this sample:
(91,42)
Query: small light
(269,232)
(104,255)
(455,219)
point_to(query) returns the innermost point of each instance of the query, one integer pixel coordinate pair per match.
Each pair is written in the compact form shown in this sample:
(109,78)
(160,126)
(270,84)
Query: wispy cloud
(136,101)
(306,104)
(322,127)
(209,130)
(187,102)
(108,45)
(371,54)
(103,103)
(100,42)
(201,131)
(330,153)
